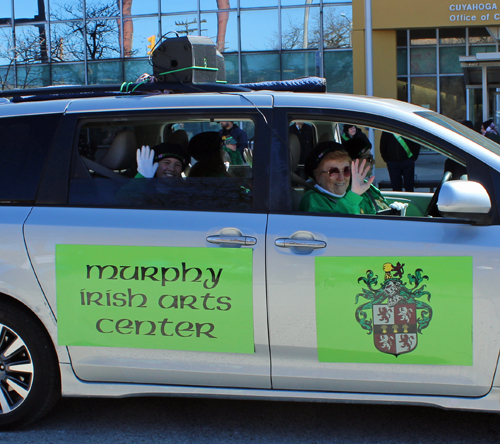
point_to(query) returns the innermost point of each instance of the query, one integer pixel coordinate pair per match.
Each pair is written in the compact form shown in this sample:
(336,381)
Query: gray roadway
(183,420)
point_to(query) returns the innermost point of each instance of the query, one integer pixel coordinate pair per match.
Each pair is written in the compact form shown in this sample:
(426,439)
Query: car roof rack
(308,84)
(76,91)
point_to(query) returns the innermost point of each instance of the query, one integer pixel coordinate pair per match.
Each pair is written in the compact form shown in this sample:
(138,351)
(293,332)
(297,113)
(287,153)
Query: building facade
(46,42)
(429,52)
(439,54)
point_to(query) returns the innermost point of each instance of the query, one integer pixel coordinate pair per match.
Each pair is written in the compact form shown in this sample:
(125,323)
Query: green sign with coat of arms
(397,310)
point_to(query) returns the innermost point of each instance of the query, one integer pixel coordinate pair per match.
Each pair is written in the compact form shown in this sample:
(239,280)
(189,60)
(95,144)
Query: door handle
(238,240)
(290,243)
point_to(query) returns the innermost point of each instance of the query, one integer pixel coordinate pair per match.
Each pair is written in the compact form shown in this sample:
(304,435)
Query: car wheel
(29,372)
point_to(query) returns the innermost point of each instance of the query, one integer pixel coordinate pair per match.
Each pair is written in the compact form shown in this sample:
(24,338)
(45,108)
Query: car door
(378,304)
(168,292)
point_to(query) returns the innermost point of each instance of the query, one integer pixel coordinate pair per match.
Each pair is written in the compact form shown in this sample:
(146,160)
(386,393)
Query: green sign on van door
(394,310)
(197,299)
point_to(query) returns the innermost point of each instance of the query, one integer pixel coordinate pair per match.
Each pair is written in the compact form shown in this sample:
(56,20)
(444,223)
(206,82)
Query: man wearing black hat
(163,160)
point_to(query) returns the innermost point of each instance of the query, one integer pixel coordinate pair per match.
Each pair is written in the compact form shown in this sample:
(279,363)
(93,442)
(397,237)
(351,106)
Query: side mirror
(464,200)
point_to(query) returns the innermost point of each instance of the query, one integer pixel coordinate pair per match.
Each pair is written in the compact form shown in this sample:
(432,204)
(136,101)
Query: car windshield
(461,129)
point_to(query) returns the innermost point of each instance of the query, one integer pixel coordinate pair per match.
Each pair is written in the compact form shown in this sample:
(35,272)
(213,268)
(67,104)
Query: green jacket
(314,201)
(234,156)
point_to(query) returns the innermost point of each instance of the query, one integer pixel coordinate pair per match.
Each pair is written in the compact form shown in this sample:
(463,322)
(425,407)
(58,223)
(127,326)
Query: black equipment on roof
(189,59)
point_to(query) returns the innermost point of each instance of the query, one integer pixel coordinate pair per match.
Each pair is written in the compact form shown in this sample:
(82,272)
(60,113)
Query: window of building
(135,35)
(103,40)
(31,44)
(168,6)
(131,7)
(6,45)
(337,26)
(402,61)
(300,28)
(257,3)
(452,96)
(29,10)
(424,92)
(113,30)
(7,77)
(452,36)
(435,78)
(449,59)
(61,10)
(101,8)
(108,72)
(232,68)
(339,71)
(183,24)
(266,38)
(32,76)
(299,2)
(66,41)
(222,28)
(423,37)
(260,67)
(299,64)
(479,36)
(217,4)
(68,74)
(135,68)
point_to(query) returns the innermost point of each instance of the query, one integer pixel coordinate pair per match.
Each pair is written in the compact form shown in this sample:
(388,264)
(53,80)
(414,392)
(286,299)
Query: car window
(461,129)
(25,143)
(406,169)
(212,175)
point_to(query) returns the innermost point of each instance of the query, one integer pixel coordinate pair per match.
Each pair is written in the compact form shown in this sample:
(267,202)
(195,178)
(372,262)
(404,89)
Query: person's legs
(395,176)
(407,168)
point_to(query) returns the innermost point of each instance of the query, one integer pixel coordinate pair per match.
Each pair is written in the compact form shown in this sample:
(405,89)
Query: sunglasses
(335,171)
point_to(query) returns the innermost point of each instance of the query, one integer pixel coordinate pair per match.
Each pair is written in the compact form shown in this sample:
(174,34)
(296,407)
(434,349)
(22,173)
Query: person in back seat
(206,149)
(163,160)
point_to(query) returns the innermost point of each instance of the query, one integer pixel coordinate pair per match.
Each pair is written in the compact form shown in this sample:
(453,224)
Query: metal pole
(305,43)
(305,39)
(486,104)
(369,66)
(368,48)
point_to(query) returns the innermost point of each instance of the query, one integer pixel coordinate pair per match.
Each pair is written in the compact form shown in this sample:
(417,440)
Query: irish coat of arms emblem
(395,312)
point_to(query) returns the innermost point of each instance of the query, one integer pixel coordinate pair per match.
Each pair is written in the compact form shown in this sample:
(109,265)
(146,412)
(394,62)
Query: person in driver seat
(340,184)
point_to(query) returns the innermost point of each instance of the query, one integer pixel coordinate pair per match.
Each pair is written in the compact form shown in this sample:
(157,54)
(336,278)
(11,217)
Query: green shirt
(315,201)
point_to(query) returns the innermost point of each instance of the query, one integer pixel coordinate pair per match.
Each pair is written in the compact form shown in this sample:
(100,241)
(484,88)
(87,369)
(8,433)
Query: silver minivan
(221,285)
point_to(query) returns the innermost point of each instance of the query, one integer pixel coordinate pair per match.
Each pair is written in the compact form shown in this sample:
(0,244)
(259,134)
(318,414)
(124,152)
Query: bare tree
(28,53)
(336,32)
(99,32)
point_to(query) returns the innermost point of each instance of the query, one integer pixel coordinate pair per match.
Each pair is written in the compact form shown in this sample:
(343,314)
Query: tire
(29,372)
